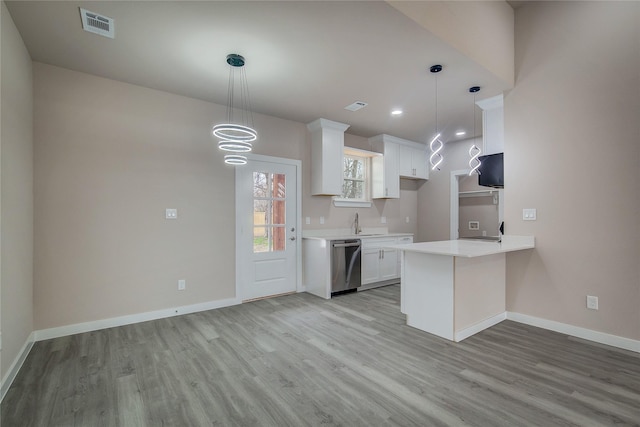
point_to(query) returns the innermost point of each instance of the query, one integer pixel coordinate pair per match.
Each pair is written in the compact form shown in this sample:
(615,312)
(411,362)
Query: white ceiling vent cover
(98,24)
(356,106)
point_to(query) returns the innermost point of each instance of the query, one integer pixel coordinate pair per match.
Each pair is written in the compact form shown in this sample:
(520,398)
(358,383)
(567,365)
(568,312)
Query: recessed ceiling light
(396,112)
(461,133)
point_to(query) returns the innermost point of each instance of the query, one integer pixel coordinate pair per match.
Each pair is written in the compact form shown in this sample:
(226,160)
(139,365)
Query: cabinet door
(389,264)
(413,162)
(385,179)
(420,164)
(406,161)
(370,260)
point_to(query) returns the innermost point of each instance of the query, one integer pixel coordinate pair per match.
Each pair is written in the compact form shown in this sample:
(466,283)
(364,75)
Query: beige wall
(481,30)
(572,151)
(481,209)
(109,158)
(434,197)
(16,177)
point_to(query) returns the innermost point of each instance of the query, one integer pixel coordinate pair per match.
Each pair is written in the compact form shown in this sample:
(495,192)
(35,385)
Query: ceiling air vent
(98,24)
(356,106)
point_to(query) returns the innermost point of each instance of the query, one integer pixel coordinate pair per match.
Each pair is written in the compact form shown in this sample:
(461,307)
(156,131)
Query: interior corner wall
(109,159)
(481,30)
(572,152)
(16,201)
(434,196)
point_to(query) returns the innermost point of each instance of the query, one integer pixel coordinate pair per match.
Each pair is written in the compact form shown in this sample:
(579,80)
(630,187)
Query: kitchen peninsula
(456,288)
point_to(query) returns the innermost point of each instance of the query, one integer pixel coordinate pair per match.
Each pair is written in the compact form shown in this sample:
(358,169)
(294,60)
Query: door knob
(293,229)
(292,238)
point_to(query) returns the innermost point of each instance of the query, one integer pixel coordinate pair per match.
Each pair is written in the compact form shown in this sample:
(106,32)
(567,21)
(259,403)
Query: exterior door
(267,232)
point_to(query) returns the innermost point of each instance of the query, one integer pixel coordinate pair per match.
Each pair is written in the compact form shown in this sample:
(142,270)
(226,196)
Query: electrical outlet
(171,214)
(307,220)
(592,302)
(182,284)
(529,214)
(383,219)
(321,220)
(406,220)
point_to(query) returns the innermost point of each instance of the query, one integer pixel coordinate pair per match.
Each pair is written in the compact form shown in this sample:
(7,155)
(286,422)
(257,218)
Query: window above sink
(356,179)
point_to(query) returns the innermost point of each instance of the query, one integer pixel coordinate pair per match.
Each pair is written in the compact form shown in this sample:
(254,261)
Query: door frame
(298,233)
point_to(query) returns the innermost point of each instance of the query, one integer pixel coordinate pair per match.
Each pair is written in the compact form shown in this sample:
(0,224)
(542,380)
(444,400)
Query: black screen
(491,171)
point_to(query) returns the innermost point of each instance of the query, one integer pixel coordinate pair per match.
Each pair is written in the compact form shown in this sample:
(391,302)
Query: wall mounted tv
(491,171)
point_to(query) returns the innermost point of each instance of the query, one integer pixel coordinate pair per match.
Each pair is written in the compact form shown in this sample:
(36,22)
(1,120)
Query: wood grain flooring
(299,360)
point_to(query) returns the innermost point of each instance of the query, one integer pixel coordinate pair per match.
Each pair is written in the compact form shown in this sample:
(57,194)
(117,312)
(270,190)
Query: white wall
(16,178)
(572,151)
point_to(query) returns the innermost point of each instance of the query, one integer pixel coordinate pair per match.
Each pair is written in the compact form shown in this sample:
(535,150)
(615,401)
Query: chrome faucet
(357,225)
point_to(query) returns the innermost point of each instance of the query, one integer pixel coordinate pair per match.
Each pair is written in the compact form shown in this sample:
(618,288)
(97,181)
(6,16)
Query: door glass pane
(278,212)
(269,207)
(260,184)
(279,185)
(260,239)
(278,239)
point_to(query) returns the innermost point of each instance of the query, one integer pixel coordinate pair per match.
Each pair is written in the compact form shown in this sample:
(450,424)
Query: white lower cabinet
(379,263)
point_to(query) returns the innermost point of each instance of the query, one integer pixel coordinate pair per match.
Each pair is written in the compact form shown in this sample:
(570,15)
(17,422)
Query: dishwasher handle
(345,245)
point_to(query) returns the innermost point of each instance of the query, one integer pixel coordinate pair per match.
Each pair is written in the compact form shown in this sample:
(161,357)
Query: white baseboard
(16,365)
(480,326)
(61,331)
(575,331)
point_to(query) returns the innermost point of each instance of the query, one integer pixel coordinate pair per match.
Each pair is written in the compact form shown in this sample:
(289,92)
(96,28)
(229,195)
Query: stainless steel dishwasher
(345,265)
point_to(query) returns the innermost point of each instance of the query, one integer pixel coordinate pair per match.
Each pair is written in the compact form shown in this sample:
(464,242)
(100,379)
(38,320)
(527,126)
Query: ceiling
(305,59)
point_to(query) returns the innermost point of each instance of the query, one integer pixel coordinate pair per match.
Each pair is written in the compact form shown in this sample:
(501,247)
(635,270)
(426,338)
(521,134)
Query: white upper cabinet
(385,176)
(413,162)
(327,146)
(401,158)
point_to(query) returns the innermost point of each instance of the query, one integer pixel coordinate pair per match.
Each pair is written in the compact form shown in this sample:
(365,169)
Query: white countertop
(347,233)
(356,236)
(470,248)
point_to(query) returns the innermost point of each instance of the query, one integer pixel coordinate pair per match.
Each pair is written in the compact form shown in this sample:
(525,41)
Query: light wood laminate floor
(300,360)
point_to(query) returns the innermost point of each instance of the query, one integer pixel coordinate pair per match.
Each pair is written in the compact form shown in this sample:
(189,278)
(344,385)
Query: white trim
(16,365)
(349,203)
(95,325)
(394,139)
(480,326)
(455,203)
(576,331)
(491,103)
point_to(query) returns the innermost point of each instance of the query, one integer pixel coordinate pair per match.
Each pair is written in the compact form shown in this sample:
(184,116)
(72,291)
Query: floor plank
(299,360)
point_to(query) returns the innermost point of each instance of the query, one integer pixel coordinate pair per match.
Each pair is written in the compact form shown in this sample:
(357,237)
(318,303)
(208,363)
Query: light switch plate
(307,220)
(171,214)
(592,302)
(321,220)
(529,214)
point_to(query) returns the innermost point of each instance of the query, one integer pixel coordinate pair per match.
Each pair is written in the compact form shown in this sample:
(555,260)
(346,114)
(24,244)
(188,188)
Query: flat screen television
(491,171)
